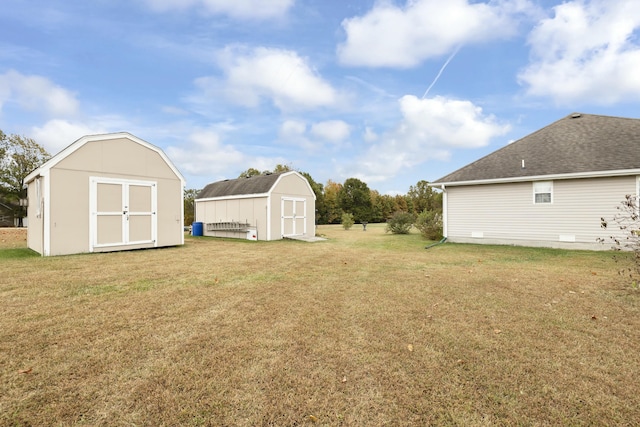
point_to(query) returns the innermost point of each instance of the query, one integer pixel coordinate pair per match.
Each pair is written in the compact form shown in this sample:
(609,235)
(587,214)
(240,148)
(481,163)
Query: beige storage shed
(105,193)
(263,207)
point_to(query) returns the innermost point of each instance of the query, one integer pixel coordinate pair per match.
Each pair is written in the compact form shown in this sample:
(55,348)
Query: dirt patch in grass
(11,238)
(365,328)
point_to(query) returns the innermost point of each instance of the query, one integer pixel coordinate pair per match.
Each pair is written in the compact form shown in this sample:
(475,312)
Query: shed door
(123,213)
(294,219)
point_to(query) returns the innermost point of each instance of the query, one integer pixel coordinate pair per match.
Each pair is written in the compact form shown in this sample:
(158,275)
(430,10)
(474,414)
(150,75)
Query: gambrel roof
(259,184)
(79,143)
(578,145)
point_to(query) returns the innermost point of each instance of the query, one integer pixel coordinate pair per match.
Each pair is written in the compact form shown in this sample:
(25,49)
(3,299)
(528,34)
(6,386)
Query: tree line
(353,196)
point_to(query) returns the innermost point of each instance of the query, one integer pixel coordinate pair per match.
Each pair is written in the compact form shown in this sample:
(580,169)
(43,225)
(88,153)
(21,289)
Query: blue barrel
(196,229)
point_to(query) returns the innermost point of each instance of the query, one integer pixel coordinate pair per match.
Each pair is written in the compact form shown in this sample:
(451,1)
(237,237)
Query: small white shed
(105,193)
(263,207)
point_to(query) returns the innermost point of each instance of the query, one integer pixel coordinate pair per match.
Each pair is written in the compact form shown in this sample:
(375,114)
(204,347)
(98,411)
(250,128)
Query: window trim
(540,185)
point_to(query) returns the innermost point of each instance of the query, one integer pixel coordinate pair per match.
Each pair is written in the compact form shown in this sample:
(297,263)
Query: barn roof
(79,143)
(259,184)
(576,144)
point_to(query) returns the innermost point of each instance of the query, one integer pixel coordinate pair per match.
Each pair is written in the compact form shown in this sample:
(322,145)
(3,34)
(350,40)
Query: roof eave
(236,196)
(577,175)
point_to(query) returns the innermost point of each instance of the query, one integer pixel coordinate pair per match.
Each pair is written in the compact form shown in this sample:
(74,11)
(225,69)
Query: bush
(347,220)
(627,220)
(400,223)
(430,224)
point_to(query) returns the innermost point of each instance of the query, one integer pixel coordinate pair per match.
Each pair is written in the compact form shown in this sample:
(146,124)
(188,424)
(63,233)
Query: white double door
(123,213)
(294,217)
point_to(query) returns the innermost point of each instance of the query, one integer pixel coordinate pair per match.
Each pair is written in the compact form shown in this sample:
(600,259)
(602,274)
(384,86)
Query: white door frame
(295,215)
(124,213)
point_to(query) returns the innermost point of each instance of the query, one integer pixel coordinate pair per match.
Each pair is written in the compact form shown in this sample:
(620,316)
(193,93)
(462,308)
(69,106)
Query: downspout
(444,239)
(445,212)
(444,219)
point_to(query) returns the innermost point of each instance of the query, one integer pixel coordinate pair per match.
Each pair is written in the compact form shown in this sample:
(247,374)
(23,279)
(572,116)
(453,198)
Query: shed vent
(576,115)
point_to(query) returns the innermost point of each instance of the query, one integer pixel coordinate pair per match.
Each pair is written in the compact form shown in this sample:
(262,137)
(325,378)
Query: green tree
(249,173)
(189,205)
(332,205)
(429,223)
(318,190)
(355,197)
(626,237)
(282,168)
(347,220)
(19,157)
(425,197)
(401,203)
(400,223)
(377,212)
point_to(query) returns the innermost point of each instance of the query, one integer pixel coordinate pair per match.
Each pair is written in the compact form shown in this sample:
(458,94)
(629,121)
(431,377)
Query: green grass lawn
(365,328)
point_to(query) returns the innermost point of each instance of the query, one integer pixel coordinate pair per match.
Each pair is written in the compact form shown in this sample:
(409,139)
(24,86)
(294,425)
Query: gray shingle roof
(258,184)
(578,143)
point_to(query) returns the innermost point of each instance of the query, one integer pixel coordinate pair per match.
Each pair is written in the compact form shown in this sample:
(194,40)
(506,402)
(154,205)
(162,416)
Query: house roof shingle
(258,184)
(578,143)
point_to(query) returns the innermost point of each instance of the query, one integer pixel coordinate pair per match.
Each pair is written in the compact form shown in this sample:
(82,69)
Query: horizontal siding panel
(507,211)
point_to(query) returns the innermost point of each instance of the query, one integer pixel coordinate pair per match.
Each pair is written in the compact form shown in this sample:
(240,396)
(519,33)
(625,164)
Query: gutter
(550,177)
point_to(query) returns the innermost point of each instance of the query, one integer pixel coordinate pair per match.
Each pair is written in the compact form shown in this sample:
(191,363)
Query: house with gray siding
(547,189)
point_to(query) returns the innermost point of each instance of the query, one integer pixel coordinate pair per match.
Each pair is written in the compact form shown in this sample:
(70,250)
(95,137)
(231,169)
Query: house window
(543,192)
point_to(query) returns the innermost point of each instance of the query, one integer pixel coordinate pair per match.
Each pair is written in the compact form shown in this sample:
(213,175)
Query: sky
(389,92)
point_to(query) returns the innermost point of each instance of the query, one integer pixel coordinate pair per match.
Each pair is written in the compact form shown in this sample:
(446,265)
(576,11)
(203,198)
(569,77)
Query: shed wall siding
(69,212)
(35,232)
(506,212)
(251,210)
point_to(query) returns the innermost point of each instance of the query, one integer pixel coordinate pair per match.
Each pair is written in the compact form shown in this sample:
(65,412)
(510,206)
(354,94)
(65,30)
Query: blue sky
(390,92)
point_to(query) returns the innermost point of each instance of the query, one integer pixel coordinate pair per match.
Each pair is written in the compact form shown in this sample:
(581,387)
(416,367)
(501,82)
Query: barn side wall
(506,213)
(252,210)
(35,215)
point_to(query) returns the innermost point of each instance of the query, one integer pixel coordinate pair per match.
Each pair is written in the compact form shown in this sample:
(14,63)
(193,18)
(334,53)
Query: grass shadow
(17,253)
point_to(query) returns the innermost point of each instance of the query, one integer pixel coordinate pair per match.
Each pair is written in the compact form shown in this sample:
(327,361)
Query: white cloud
(393,36)
(56,134)
(311,137)
(204,154)
(295,132)
(281,76)
(588,51)
(370,135)
(429,129)
(243,9)
(334,131)
(36,93)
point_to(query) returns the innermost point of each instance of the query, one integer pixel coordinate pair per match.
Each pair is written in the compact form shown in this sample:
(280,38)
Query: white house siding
(506,213)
